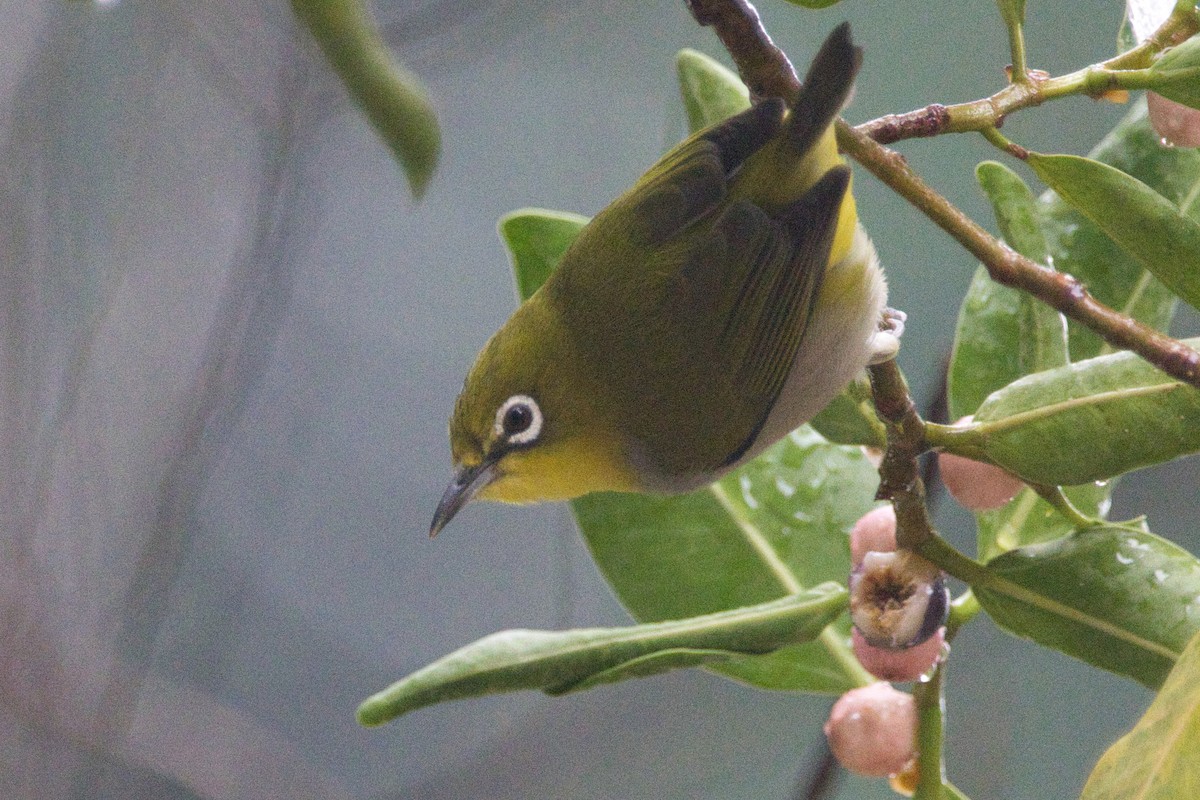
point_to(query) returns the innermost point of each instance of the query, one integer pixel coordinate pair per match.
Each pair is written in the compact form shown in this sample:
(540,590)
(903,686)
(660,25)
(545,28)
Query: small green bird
(717,305)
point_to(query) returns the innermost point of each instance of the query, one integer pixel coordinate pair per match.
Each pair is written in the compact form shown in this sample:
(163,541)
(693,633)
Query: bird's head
(526,427)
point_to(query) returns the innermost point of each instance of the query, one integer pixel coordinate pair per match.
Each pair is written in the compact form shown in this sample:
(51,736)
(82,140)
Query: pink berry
(875,531)
(872,730)
(898,665)
(975,485)
(1174,122)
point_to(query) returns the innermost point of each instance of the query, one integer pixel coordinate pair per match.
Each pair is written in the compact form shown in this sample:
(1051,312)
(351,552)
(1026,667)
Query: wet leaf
(1002,333)
(986,350)
(1141,221)
(1028,519)
(1078,246)
(1116,597)
(1089,421)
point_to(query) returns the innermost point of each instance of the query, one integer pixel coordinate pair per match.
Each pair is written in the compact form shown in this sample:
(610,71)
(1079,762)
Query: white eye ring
(520,435)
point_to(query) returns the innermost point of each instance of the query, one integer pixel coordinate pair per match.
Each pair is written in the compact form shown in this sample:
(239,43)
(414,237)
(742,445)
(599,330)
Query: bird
(714,307)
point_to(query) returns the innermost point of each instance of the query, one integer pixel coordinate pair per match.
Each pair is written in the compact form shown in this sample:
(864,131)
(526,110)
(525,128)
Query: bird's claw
(885,342)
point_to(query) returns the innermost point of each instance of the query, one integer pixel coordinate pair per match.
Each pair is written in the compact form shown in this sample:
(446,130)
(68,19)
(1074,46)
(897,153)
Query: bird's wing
(720,333)
(688,182)
(688,306)
(779,285)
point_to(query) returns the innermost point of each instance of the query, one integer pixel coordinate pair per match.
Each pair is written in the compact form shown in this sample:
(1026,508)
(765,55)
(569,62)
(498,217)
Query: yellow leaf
(1157,760)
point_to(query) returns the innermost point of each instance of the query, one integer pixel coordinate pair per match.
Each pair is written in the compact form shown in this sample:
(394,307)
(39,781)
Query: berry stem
(931,731)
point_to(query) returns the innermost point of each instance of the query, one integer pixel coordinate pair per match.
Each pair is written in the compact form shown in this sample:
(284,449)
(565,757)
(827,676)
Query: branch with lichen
(767,72)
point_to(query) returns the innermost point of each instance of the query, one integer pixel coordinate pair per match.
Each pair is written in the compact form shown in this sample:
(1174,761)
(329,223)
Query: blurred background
(230,342)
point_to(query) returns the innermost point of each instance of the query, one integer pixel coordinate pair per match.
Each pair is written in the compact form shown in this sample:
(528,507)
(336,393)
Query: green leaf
(1089,421)
(1179,69)
(566,661)
(850,418)
(392,97)
(711,92)
(1028,519)
(1145,224)
(1118,598)
(536,239)
(1015,209)
(1157,759)
(1003,333)
(985,356)
(1080,248)
(772,527)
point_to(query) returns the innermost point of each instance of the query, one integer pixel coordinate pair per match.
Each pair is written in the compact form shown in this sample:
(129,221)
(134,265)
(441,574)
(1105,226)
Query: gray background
(230,343)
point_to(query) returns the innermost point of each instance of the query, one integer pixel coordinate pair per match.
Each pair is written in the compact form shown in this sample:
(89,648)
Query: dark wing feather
(827,88)
(765,325)
(693,178)
(758,301)
(765,328)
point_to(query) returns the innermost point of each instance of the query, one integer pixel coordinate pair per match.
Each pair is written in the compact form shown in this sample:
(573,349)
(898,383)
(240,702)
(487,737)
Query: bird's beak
(467,482)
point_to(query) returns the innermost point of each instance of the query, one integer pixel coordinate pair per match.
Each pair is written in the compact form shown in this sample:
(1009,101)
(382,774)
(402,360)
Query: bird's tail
(827,88)
(790,164)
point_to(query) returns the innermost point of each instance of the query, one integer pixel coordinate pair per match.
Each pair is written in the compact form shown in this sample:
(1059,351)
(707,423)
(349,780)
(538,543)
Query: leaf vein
(1018,592)
(758,542)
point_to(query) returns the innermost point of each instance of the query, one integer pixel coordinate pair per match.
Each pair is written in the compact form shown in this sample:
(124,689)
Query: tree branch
(764,68)
(1036,88)
(1005,266)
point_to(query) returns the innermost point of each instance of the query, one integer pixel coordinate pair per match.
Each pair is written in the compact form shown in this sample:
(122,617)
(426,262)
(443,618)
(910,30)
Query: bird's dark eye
(519,420)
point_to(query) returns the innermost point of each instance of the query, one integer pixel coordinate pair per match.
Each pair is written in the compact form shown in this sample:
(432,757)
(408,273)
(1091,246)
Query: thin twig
(1032,88)
(899,473)
(900,482)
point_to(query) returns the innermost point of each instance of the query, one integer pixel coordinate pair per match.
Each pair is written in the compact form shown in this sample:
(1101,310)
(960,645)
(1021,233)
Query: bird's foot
(885,342)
